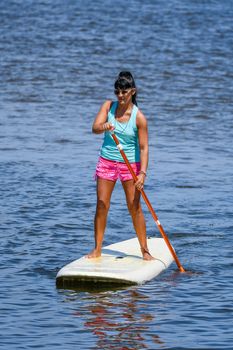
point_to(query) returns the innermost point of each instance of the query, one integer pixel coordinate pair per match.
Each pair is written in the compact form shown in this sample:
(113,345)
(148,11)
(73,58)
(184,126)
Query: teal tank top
(127,134)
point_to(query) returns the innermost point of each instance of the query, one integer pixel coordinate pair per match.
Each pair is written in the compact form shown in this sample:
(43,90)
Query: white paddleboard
(120,263)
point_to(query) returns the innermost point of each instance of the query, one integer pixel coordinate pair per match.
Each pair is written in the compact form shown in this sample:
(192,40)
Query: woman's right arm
(100,123)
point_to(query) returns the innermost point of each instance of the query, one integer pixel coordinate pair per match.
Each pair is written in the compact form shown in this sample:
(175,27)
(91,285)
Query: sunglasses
(118,91)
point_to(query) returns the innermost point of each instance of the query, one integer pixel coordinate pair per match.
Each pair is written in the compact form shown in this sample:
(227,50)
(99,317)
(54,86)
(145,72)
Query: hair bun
(125,74)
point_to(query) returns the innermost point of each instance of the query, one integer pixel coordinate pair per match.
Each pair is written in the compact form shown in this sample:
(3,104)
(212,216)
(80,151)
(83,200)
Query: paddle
(120,148)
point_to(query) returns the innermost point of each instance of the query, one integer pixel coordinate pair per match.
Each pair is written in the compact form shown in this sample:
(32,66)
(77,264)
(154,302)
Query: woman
(130,126)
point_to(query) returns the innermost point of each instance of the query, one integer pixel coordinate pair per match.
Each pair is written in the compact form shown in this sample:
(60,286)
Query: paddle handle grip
(161,230)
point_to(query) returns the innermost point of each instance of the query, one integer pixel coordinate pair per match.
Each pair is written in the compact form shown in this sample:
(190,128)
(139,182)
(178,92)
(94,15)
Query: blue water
(58,62)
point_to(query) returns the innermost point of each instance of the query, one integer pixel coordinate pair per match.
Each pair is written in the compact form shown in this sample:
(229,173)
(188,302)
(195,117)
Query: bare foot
(93,254)
(146,255)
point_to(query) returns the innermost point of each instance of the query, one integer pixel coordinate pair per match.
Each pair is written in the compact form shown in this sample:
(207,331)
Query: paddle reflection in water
(120,320)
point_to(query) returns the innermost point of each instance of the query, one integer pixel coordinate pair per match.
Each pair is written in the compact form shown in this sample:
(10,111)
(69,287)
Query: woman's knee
(102,205)
(134,208)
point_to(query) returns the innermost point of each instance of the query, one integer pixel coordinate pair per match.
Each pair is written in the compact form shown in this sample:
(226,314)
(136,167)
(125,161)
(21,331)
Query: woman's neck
(123,109)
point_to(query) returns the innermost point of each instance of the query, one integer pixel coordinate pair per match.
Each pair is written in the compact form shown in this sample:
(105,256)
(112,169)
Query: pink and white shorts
(112,170)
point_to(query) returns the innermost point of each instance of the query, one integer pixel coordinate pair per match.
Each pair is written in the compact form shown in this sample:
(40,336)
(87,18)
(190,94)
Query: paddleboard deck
(120,263)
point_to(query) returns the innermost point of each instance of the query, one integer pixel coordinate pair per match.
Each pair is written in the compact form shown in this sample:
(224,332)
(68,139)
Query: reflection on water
(118,321)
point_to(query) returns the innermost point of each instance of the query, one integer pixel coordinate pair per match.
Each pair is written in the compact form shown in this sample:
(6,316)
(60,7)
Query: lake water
(58,62)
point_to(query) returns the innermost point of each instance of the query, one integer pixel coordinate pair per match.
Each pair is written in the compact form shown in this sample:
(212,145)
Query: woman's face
(124,96)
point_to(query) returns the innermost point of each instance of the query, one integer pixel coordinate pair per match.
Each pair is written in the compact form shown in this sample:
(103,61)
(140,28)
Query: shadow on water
(120,317)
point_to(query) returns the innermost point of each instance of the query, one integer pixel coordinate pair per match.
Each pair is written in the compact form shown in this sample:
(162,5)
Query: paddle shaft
(161,230)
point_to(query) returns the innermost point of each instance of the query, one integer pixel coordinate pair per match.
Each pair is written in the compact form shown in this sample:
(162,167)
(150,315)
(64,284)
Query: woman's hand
(100,123)
(140,181)
(108,127)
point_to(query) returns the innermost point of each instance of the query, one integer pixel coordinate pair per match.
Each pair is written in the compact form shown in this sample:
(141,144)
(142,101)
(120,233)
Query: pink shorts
(112,170)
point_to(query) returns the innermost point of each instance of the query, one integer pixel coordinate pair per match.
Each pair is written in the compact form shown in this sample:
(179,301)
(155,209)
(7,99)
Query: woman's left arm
(141,123)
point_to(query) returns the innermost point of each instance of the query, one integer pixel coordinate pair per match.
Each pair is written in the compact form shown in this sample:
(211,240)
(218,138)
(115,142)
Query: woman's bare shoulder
(141,118)
(107,105)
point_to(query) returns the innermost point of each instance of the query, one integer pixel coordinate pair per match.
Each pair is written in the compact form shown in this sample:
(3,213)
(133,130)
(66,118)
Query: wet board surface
(121,263)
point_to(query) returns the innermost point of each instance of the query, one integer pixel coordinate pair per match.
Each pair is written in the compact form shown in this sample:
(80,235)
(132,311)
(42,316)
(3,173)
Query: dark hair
(126,81)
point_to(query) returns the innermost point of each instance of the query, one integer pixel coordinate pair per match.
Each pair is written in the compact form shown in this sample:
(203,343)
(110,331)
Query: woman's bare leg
(104,191)
(135,209)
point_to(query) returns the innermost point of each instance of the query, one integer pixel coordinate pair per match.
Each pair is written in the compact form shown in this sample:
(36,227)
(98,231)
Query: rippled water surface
(58,62)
